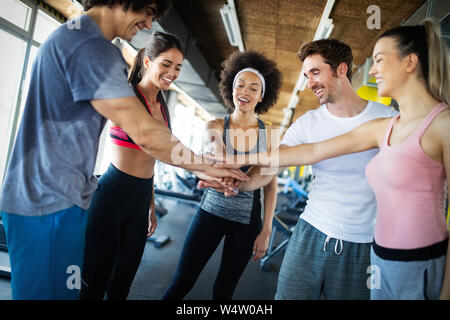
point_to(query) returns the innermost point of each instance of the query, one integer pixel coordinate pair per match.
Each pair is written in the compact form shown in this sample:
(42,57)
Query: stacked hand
(219,177)
(229,186)
(224,178)
(225,161)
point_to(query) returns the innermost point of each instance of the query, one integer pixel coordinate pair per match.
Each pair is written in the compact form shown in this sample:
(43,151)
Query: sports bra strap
(429,118)
(262,141)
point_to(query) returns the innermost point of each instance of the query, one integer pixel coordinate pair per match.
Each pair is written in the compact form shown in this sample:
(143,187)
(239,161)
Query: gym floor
(158,265)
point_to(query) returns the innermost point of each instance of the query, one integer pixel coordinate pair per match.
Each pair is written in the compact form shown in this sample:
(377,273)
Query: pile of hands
(224,177)
(227,185)
(228,179)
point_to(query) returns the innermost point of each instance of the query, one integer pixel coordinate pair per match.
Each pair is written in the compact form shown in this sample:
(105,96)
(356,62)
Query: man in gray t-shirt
(79,78)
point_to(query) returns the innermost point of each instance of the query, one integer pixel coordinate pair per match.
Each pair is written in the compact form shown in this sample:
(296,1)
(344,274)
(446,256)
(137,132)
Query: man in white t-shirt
(328,254)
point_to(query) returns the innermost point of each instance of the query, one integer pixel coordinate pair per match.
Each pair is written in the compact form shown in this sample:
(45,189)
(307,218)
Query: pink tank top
(410,191)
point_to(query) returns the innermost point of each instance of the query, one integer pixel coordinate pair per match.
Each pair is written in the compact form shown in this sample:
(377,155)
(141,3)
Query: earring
(147,62)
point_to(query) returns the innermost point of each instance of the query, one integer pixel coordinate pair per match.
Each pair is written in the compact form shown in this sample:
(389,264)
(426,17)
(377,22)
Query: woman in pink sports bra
(122,213)
(410,174)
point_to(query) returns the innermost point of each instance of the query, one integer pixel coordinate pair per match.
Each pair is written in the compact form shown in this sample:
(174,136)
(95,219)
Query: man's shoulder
(308,116)
(71,36)
(381,109)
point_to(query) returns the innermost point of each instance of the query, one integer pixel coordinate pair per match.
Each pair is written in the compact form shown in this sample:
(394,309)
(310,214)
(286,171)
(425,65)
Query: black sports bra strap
(226,126)
(162,101)
(165,109)
(261,136)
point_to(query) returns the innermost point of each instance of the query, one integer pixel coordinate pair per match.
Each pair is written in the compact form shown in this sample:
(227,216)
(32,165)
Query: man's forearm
(152,136)
(162,145)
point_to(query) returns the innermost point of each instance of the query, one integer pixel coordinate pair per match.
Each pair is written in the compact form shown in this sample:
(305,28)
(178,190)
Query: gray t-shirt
(52,163)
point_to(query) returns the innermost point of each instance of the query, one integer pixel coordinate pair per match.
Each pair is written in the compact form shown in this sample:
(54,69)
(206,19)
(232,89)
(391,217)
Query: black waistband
(420,254)
(124,180)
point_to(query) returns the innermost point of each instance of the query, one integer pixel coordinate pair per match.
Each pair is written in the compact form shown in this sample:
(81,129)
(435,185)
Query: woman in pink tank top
(410,258)
(409,175)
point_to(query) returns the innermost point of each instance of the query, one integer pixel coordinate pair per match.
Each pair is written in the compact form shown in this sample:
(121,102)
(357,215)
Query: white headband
(255,72)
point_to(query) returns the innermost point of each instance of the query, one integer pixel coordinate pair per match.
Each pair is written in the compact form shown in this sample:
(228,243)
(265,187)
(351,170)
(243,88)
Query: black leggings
(203,236)
(116,235)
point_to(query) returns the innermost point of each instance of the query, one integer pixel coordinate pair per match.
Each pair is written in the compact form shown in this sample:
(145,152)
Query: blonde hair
(426,42)
(438,63)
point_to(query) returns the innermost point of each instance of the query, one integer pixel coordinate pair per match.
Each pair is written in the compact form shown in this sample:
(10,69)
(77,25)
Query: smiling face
(247,91)
(130,22)
(388,68)
(322,80)
(164,69)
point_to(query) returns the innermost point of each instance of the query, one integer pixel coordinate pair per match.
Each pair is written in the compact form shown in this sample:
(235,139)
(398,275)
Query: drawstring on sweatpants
(338,241)
(336,246)
(325,243)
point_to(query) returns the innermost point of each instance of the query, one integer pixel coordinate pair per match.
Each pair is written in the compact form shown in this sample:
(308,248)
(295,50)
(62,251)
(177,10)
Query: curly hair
(250,59)
(333,52)
(158,8)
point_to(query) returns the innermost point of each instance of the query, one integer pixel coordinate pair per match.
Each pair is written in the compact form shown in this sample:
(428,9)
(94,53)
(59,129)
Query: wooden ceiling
(278,28)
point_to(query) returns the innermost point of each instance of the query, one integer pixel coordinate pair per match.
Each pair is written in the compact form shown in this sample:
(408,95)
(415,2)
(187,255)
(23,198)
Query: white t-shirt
(341,203)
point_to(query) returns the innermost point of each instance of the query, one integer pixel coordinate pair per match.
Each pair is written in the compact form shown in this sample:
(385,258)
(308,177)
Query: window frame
(26,36)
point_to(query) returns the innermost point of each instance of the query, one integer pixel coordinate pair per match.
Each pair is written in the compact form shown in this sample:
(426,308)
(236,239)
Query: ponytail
(159,42)
(438,80)
(136,69)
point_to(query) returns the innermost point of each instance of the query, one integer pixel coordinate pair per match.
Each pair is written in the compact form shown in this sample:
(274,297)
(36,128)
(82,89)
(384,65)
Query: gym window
(24,26)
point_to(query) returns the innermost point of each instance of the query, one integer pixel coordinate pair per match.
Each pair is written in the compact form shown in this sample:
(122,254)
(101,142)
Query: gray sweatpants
(316,266)
(407,280)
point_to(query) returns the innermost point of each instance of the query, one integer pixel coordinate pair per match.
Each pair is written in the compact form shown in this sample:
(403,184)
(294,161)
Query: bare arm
(366,136)
(212,138)
(152,221)
(262,240)
(270,200)
(263,176)
(260,176)
(360,139)
(154,138)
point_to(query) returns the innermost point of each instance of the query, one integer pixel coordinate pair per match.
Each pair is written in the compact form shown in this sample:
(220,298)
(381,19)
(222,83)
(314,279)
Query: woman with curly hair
(249,86)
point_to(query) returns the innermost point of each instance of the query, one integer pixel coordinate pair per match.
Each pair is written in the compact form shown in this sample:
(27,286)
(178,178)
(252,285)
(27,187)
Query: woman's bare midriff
(133,161)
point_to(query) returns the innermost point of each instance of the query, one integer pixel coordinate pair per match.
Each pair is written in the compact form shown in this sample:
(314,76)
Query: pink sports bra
(121,138)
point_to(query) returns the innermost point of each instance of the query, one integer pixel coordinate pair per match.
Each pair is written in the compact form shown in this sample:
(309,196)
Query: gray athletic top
(53,159)
(245,207)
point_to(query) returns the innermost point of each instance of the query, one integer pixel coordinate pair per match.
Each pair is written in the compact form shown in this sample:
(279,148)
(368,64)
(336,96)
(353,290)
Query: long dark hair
(159,42)
(426,42)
